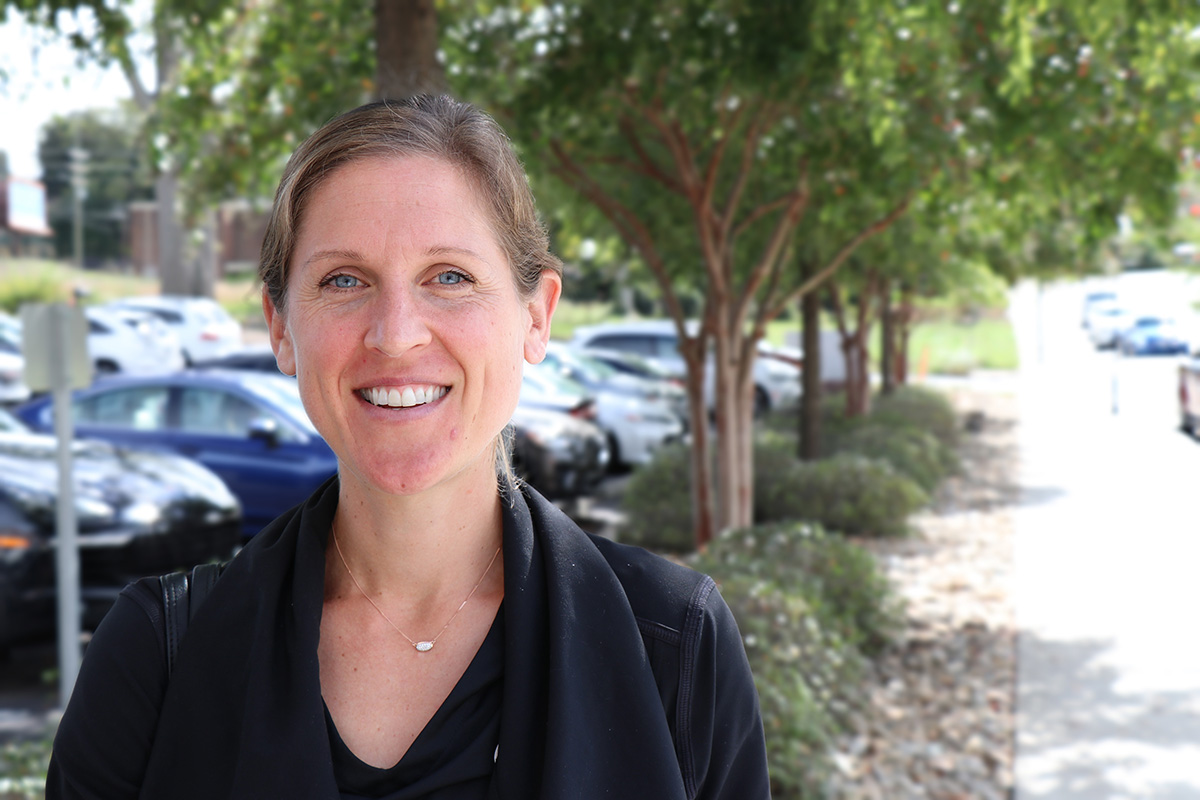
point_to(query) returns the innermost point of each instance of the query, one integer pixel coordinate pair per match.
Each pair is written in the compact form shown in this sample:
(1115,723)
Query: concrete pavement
(1107,567)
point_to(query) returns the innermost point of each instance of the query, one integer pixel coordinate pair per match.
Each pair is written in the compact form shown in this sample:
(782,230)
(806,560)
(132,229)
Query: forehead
(420,196)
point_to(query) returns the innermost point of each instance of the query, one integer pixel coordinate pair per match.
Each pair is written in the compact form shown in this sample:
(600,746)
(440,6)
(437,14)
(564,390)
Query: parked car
(12,373)
(137,513)
(248,427)
(1093,298)
(561,456)
(1105,322)
(205,329)
(776,383)
(1189,394)
(626,363)
(260,358)
(634,412)
(1152,336)
(130,342)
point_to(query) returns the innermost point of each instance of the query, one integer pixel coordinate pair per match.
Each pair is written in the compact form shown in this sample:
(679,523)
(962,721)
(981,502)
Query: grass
(955,348)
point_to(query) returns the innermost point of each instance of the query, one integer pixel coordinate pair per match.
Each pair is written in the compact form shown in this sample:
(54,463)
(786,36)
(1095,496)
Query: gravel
(940,722)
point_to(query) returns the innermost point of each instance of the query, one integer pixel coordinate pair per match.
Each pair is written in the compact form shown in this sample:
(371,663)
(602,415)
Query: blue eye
(451,278)
(343,281)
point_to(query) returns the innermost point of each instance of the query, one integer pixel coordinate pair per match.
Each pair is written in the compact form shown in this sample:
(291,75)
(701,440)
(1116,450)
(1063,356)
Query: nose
(397,323)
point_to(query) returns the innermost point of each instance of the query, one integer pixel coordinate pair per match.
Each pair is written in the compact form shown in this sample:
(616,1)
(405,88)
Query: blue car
(1152,336)
(248,427)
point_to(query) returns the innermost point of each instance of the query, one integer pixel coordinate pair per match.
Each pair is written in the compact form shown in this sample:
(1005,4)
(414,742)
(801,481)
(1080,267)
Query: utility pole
(79,170)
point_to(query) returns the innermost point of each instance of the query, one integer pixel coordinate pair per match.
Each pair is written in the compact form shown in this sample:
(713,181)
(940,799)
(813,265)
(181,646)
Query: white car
(204,328)
(130,342)
(12,362)
(776,382)
(1106,320)
(635,413)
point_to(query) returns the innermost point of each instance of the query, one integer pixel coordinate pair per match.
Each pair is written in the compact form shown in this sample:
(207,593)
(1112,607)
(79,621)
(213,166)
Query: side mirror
(265,429)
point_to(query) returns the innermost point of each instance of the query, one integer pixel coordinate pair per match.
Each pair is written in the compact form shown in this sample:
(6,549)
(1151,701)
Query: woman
(421,627)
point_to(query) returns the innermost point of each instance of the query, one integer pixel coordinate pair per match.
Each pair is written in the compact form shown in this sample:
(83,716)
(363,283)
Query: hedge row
(812,605)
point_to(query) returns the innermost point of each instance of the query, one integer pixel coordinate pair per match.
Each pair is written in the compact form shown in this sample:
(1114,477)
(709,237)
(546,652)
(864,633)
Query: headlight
(143,514)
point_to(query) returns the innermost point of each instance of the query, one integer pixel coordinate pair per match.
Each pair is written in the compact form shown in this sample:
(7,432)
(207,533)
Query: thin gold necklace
(424,646)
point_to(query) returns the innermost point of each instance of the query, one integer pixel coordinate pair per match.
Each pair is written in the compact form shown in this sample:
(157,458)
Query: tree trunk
(172,269)
(703,500)
(173,273)
(887,339)
(810,400)
(725,390)
(406,41)
(904,331)
(854,346)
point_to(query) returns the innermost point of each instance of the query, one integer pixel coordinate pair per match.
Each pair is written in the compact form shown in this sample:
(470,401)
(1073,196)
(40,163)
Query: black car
(559,455)
(137,514)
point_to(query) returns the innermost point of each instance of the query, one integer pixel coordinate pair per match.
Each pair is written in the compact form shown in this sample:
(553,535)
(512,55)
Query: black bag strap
(182,595)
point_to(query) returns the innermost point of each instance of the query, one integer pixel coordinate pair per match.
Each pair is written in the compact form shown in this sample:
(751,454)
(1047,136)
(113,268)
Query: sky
(44,79)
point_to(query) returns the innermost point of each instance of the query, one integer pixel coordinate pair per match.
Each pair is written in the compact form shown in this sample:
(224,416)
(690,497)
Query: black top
(454,756)
(624,676)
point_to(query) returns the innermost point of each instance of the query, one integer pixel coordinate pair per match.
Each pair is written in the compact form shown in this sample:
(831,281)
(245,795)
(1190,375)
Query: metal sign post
(54,341)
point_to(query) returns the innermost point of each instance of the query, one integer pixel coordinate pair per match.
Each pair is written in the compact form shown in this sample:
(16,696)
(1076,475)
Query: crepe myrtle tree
(717,137)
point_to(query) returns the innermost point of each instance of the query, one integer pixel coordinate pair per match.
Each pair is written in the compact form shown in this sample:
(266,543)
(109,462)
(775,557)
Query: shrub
(839,579)
(658,503)
(23,767)
(923,408)
(911,451)
(16,290)
(846,493)
(803,601)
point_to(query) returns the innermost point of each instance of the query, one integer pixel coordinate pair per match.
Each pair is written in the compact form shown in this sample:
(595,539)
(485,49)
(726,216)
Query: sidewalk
(1107,570)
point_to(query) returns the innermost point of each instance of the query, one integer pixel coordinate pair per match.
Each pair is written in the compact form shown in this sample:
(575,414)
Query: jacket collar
(243,714)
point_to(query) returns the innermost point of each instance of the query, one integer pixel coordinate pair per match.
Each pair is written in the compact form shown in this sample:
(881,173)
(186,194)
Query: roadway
(1107,549)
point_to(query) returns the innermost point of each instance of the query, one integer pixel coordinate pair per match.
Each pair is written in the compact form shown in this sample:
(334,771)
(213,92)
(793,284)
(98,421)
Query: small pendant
(423,647)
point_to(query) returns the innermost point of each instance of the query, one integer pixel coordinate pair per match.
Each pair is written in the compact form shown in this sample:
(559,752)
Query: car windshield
(285,393)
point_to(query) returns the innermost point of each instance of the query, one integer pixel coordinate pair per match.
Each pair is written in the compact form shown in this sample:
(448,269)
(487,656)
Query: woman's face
(403,324)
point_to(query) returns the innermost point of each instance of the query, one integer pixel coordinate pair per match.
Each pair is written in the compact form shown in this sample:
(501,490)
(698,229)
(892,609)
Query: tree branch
(876,227)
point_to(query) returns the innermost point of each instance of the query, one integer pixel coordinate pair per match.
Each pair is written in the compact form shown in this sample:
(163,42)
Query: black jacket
(624,677)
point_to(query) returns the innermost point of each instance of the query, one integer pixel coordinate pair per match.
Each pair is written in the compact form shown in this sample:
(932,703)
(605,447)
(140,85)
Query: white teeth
(404,398)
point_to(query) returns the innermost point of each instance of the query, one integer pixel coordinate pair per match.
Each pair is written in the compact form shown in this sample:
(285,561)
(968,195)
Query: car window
(214,411)
(143,408)
(643,344)
(283,393)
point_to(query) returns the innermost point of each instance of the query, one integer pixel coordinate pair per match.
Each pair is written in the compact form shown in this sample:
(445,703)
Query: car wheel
(107,367)
(615,464)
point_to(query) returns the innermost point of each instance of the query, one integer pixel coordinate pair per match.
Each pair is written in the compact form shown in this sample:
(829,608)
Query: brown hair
(435,126)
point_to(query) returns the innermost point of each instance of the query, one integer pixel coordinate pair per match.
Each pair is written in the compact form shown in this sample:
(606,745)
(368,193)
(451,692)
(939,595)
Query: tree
(711,135)
(236,82)
(117,172)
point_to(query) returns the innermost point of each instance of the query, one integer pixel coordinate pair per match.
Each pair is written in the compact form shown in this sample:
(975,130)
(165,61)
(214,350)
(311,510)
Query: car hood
(114,487)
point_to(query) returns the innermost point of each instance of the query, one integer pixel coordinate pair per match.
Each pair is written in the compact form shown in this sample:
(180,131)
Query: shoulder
(661,592)
(108,726)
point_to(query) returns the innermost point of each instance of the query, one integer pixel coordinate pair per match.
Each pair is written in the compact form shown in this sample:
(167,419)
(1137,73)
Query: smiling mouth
(409,396)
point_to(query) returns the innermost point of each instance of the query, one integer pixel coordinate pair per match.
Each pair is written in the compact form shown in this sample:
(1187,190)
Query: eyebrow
(449,250)
(337,254)
(345,254)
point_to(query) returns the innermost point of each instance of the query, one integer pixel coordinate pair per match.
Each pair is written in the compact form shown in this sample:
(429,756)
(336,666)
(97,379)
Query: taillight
(585,410)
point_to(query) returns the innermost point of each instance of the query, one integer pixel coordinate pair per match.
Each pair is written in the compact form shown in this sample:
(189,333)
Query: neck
(425,546)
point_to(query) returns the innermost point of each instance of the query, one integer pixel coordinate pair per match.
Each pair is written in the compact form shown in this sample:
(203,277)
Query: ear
(281,340)
(541,311)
